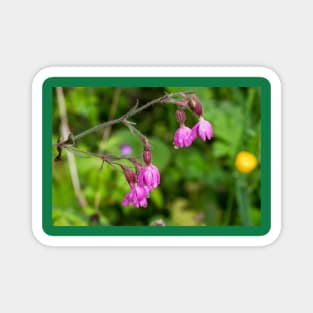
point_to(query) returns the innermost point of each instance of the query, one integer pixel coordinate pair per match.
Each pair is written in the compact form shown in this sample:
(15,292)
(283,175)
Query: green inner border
(47,90)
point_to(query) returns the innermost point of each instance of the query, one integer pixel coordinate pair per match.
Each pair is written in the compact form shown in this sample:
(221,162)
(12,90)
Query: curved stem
(104,157)
(133,111)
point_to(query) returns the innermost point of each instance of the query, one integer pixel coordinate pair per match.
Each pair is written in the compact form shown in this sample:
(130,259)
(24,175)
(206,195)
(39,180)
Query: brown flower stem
(133,111)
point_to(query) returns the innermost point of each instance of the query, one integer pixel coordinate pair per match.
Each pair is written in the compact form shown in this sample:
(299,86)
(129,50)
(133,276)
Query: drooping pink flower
(182,137)
(182,134)
(149,176)
(202,129)
(136,196)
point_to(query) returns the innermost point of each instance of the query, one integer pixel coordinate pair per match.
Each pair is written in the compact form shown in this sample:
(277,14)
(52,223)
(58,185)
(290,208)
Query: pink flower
(182,134)
(149,176)
(137,196)
(126,150)
(202,129)
(182,137)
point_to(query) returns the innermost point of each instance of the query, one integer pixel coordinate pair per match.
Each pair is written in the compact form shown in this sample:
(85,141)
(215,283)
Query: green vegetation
(200,185)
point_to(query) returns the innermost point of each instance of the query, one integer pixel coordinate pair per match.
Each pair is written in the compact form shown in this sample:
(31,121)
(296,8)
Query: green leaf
(68,217)
(161,153)
(221,149)
(255,215)
(156,197)
(120,137)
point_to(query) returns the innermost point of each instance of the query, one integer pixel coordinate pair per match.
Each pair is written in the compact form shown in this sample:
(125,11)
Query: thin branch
(71,159)
(133,111)
(133,129)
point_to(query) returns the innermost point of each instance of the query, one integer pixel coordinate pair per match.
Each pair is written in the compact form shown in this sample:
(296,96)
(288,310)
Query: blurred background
(208,183)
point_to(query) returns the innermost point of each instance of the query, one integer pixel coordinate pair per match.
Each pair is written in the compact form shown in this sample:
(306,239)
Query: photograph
(156,156)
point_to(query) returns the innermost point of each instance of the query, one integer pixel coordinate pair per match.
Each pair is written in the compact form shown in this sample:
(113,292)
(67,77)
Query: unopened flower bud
(147,156)
(198,109)
(129,174)
(196,106)
(194,100)
(181,117)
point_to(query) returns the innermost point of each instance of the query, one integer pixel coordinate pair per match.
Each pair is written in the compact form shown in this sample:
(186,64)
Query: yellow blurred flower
(246,162)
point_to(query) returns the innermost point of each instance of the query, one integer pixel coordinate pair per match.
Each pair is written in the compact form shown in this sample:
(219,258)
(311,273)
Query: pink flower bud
(147,157)
(198,109)
(196,106)
(130,176)
(181,117)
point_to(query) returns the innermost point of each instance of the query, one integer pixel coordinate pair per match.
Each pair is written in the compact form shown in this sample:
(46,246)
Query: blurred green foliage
(199,185)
